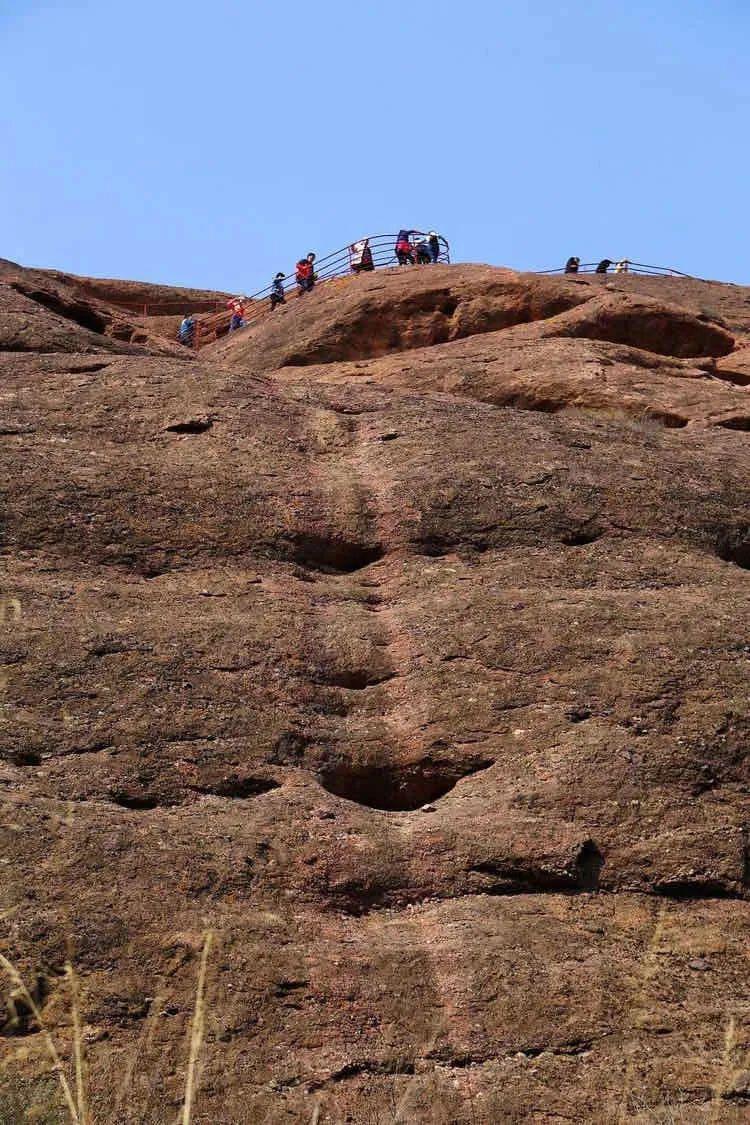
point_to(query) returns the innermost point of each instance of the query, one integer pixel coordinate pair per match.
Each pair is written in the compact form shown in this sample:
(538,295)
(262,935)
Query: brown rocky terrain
(401,643)
(128,311)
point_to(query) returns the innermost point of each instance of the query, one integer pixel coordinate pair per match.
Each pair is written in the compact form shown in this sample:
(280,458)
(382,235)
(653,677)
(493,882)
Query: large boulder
(427,719)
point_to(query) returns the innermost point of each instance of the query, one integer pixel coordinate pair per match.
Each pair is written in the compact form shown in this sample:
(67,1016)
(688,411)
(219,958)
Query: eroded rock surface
(412,664)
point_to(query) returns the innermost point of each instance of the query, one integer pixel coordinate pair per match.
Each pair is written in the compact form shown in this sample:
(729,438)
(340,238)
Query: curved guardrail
(334,265)
(633,267)
(339,263)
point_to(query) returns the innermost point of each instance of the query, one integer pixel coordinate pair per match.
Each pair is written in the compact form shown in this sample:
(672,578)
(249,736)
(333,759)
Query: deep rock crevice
(397,788)
(81,314)
(733,545)
(333,554)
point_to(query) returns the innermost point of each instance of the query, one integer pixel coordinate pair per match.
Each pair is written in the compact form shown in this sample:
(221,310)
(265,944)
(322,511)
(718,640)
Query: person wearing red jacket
(305,274)
(237,308)
(404,248)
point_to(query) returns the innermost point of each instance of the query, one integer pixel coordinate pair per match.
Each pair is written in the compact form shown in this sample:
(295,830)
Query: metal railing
(633,267)
(337,264)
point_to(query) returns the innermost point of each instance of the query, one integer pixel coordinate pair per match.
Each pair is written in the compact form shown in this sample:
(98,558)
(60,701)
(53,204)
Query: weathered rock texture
(401,642)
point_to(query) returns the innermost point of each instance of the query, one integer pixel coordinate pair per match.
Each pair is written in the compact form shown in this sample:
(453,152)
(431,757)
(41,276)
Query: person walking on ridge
(305,274)
(404,250)
(277,290)
(434,244)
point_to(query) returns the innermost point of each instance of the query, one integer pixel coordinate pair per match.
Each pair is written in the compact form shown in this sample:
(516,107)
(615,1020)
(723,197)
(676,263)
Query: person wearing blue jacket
(187,330)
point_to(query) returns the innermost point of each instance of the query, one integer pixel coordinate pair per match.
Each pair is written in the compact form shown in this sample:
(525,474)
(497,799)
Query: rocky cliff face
(401,642)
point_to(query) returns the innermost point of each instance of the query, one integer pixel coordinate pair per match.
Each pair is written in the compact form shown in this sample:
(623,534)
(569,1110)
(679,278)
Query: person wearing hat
(277,290)
(434,244)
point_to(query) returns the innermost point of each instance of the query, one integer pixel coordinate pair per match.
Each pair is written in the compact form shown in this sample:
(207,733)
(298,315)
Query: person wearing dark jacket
(404,249)
(434,244)
(277,291)
(424,256)
(572,264)
(604,265)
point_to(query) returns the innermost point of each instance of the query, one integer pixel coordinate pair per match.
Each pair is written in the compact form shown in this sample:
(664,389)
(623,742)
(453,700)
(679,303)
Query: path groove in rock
(353,566)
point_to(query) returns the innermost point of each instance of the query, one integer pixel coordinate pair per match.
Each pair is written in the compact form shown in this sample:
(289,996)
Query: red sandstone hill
(400,641)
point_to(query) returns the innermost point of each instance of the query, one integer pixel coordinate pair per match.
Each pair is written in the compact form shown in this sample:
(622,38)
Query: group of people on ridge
(425,249)
(623,266)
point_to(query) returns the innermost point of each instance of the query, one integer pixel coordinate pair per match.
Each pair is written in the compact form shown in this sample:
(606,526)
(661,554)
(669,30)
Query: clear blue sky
(212,144)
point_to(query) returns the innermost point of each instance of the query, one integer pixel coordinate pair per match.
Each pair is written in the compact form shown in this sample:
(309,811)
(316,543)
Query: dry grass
(648,968)
(730,1042)
(197,1030)
(57,1065)
(76,1104)
(78,1051)
(143,1043)
(642,420)
(666,1113)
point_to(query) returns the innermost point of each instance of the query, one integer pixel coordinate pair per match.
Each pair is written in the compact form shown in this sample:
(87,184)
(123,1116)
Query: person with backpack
(404,249)
(186,334)
(277,290)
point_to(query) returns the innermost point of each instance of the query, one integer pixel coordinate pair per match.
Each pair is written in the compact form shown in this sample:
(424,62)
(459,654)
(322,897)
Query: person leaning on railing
(424,255)
(404,249)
